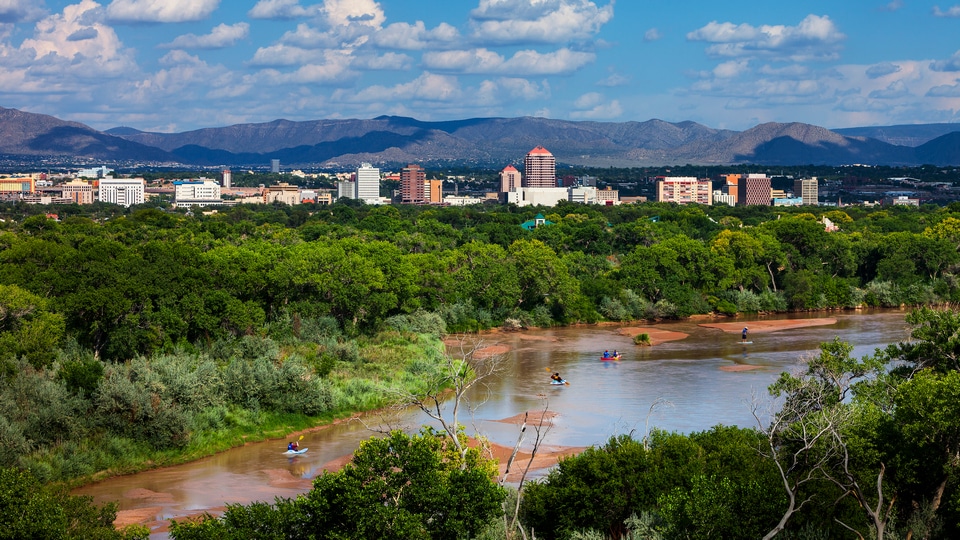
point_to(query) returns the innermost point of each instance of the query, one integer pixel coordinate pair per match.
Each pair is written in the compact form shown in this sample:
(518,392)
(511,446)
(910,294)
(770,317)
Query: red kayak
(611,358)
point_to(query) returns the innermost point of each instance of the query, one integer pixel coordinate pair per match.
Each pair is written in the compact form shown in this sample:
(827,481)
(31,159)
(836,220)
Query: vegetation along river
(705,378)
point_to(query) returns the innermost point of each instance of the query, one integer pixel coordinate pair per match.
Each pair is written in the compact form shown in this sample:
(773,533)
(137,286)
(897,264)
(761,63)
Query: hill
(490,142)
(30,134)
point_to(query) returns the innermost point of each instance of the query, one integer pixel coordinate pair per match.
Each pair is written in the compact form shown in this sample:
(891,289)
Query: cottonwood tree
(812,437)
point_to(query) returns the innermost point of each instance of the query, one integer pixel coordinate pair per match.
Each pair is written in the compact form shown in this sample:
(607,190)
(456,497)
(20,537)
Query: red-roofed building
(510,179)
(540,168)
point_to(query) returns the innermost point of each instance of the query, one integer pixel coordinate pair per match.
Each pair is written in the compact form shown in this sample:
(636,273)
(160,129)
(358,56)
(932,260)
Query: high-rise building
(274,165)
(754,189)
(684,190)
(412,180)
(368,184)
(539,168)
(807,189)
(122,191)
(227,178)
(510,179)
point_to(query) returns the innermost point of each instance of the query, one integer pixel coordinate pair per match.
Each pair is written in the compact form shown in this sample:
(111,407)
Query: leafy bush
(82,376)
(613,309)
(127,408)
(420,322)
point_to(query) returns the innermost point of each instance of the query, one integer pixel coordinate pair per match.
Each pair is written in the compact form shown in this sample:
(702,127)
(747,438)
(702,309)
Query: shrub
(641,339)
(613,309)
(81,376)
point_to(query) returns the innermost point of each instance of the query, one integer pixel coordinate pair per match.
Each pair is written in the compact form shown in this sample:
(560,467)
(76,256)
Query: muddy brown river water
(704,379)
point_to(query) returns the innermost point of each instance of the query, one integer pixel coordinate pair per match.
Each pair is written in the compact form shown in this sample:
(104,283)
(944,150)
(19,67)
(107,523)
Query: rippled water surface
(689,379)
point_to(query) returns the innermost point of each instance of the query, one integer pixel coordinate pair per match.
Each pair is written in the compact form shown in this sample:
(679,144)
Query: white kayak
(295,452)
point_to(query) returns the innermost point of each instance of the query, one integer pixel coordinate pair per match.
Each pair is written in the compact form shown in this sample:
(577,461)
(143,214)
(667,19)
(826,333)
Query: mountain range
(392,140)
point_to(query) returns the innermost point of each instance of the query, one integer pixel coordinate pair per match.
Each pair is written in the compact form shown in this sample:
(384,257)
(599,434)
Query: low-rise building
(122,191)
(684,190)
(283,193)
(78,191)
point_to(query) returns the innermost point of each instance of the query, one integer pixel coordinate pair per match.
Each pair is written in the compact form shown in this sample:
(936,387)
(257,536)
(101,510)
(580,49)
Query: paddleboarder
(743,335)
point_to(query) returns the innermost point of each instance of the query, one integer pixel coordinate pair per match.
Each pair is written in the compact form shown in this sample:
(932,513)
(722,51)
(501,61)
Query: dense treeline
(151,280)
(145,335)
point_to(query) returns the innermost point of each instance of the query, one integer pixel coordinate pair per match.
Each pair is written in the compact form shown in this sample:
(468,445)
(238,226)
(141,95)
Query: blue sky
(175,65)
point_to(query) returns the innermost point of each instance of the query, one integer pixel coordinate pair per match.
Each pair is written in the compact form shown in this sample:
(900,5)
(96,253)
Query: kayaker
(293,446)
(615,354)
(606,354)
(557,377)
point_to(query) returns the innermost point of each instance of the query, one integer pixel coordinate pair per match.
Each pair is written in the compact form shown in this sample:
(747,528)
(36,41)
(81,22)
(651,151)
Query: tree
(31,510)
(814,436)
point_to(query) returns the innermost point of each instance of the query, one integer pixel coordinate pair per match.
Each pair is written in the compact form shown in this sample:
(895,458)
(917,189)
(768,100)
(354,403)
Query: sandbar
(760,327)
(657,335)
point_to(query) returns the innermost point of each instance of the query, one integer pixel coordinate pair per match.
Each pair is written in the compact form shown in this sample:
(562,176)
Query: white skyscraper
(368,184)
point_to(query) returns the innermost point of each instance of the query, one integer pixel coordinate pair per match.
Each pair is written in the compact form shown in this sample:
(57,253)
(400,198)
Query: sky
(177,65)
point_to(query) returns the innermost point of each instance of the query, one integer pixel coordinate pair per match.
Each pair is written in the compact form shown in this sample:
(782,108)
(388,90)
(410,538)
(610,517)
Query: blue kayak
(559,383)
(295,452)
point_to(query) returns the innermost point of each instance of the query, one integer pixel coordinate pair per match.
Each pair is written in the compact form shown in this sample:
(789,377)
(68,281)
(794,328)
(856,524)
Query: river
(691,384)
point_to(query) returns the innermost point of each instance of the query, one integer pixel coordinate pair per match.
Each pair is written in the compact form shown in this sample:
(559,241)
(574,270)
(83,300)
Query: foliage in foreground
(399,487)
(29,509)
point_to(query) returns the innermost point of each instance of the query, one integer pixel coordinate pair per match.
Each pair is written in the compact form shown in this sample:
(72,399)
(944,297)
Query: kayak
(559,383)
(611,358)
(295,452)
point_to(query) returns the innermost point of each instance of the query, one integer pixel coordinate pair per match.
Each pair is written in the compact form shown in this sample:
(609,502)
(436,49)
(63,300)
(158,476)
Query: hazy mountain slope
(912,135)
(493,142)
(23,133)
(944,150)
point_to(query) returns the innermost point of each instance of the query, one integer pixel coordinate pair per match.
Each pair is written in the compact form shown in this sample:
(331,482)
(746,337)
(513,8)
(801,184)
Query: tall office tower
(510,179)
(539,168)
(806,188)
(227,178)
(368,184)
(754,189)
(274,165)
(412,179)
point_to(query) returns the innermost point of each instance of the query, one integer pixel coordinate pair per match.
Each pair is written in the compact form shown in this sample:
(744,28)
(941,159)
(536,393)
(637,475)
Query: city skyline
(176,65)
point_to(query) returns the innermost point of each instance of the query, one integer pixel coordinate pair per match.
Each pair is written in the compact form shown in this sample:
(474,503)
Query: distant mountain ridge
(496,142)
(30,134)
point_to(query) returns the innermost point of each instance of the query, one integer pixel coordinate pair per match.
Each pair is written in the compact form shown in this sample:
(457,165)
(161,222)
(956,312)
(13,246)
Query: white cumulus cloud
(525,62)
(416,36)
(594,106)
(221,36)
(427,87)
(538,21)
(881,70)
(815,38)
(281,9)
(950,64)
(72,43)
(950,12)
(12,11)
(164,11)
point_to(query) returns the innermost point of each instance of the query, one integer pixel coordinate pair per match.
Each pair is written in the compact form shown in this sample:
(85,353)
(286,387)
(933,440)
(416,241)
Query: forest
(138,337)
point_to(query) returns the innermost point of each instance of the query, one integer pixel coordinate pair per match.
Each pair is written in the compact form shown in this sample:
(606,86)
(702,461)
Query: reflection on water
(602,400)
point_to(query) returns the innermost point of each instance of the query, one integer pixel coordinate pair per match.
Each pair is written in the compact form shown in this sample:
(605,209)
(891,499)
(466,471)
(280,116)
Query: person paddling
(293,446)
(556,377)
